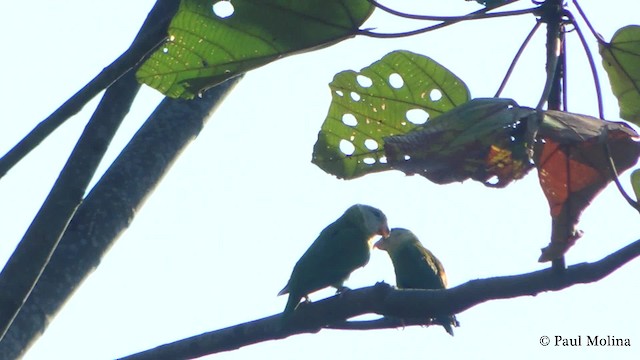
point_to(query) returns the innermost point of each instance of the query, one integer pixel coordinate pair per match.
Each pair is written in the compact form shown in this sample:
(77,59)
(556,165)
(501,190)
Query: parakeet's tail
(285,290)
(292,304)
(448,322)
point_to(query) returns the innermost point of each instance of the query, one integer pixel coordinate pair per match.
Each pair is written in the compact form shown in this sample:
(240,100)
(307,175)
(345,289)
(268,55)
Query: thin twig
(516,58)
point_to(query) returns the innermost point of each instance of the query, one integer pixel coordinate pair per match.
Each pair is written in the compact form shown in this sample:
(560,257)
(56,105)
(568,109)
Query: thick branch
(26,264)
(385,300)
(31,255)
(109,208)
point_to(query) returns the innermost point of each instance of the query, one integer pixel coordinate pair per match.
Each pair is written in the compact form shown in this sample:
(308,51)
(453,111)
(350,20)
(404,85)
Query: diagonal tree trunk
(109,209)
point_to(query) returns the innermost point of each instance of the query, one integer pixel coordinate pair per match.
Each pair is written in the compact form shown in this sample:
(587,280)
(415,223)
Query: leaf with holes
(204,48)
(621,60)
(573,168)
(483,139)
(391,96)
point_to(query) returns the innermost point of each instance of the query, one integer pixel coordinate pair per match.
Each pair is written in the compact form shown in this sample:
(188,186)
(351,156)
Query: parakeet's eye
(377,213)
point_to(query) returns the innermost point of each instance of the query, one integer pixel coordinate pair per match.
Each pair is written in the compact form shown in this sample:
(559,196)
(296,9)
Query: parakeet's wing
(337,252)
(417,268)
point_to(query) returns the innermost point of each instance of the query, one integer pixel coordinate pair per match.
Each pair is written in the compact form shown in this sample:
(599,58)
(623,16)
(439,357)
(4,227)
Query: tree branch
(155,32)
(32,254)
(109,209)
(382,299)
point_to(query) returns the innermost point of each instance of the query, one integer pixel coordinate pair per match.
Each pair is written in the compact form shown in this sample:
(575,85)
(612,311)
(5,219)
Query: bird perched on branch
(415,267)
(341,248)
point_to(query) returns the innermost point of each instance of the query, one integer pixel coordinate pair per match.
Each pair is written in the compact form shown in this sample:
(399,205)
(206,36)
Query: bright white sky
(220,235)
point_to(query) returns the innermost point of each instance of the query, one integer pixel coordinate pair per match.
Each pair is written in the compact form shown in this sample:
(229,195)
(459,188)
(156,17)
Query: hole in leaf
(417,116)
(383,160)
(165,50)
(349,120)
(369,161)
(355,96)
(223,9)
(339,93)
(364,81)
(494,180)
(407,158)
(435,95)
(396,81)
(371,144)
(347,147)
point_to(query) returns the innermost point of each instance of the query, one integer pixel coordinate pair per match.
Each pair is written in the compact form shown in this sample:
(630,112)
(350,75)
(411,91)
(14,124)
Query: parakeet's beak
(384,231)
(380,244)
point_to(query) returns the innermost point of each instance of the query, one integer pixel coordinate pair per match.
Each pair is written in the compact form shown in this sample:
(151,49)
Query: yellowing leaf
(205,49)
(483,140)
(621,60)
(391,96)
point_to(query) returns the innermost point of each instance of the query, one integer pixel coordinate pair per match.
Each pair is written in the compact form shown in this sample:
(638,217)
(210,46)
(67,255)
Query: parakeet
(415,266)
(341,248)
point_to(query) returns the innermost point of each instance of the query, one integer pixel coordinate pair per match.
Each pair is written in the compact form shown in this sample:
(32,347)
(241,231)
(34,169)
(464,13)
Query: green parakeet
(415,266)
(341,248)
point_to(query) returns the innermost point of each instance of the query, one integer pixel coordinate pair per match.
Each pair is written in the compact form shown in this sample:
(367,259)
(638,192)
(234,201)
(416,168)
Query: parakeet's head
(397,238)
(373,220)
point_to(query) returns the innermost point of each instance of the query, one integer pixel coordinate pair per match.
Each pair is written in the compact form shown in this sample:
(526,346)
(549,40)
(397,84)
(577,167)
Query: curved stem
(552,65)
(586,20)
(476,15)
(516,58)
(592,63)
(614,172)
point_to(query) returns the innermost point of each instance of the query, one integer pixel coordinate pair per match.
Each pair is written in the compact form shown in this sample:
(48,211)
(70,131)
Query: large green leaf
(391,96)
(204,49)
(621,60)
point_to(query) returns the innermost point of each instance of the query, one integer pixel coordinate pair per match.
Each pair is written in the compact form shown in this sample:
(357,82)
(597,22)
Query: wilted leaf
(391,96)
(621,60)
(205,49)
(482,139)
(569,153)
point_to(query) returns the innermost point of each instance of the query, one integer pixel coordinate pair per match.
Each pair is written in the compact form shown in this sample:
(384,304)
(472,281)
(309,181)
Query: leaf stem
(586,20)
(482,13)
(446,21)
(592,64)
(516,58)
(614,172)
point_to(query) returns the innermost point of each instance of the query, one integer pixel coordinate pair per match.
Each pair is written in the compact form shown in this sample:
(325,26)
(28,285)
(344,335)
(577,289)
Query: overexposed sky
(218,238)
